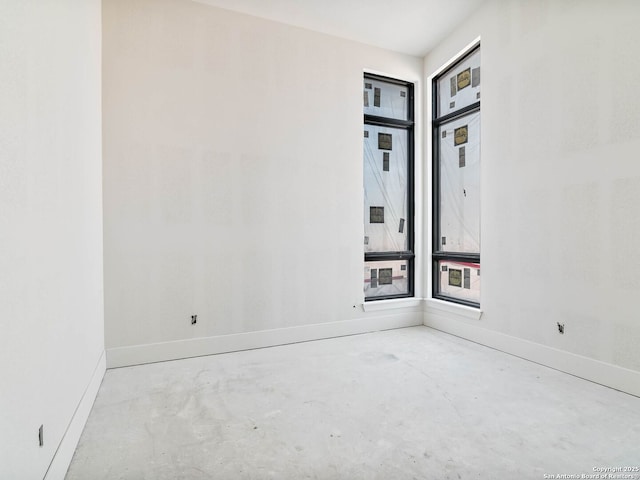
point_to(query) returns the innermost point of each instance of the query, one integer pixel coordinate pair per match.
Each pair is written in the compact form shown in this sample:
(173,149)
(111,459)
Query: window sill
(440,306)
(391,304)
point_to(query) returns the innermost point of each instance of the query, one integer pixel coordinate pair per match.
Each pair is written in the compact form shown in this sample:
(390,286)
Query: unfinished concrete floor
(411,403)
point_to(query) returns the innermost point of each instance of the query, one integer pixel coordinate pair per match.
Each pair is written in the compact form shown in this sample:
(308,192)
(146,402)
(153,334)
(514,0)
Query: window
(456,182)
(388,188)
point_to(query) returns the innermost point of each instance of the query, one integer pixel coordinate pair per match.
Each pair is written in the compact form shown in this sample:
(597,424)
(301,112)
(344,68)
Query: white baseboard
(196,347)
(606,374)
(64,453)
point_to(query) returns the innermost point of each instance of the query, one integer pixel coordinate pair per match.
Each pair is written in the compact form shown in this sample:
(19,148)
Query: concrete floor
(411,403)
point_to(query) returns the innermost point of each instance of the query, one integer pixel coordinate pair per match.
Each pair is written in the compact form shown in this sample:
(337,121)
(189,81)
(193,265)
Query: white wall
(232,179)
(560,184)
(51,299)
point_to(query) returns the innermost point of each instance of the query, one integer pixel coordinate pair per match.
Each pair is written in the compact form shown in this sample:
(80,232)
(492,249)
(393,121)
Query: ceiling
(409,26)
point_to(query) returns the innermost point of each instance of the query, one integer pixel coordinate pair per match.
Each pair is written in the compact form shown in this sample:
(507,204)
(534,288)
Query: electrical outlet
(41,435)
(194,319)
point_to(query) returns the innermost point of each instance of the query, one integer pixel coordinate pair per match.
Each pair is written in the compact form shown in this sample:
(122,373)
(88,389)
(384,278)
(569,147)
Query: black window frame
(438,255)
(409,126)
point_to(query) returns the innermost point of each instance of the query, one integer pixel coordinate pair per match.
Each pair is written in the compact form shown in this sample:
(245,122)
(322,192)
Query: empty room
(243,239)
